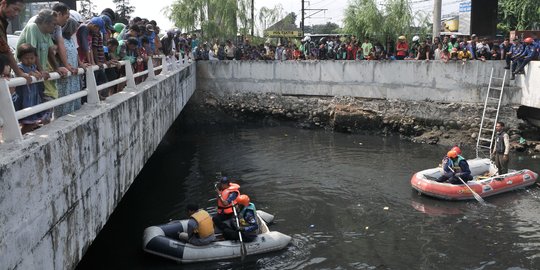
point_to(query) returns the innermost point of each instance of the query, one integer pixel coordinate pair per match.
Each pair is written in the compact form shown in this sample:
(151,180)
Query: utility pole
(252,18)
(302,21)
(436,18)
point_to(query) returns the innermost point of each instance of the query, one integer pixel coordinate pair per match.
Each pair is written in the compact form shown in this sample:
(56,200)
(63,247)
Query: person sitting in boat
(200,229)
(455,167)
(227,194)
(247,219)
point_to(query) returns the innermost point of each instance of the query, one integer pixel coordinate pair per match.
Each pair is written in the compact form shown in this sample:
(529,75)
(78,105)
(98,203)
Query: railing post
(91,86)
(11,131)
(151,72)
(165,64)
(130,80)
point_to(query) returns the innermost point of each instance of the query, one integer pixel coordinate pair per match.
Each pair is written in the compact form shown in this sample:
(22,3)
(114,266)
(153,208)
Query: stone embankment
(420,121)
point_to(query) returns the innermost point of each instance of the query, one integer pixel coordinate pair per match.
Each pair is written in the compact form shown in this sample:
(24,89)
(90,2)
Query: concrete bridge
(59,185)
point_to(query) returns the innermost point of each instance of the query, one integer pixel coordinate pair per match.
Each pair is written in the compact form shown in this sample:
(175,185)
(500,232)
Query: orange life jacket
(227,209)
(205,226)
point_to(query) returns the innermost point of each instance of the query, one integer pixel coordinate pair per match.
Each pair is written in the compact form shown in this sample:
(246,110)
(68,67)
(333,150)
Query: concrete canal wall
(400,80)
(59,186)
(429,102)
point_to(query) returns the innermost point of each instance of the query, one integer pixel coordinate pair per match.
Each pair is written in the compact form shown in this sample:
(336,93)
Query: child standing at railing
(29,94)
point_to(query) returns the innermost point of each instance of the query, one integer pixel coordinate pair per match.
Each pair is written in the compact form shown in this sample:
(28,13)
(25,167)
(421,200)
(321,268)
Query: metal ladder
(490,116)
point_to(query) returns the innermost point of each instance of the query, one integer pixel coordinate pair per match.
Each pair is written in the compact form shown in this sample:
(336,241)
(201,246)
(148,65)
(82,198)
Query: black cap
(224,180)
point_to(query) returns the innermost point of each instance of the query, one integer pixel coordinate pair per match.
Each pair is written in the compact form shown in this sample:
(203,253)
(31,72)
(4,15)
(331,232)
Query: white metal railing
(9,117)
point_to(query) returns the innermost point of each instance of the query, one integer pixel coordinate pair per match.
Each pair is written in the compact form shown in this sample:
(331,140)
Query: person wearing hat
(402,48)
(150,34)
(167,44)
(200,228)
(247,219)
(529,53)
(455,169)
(109,29)
(227,193)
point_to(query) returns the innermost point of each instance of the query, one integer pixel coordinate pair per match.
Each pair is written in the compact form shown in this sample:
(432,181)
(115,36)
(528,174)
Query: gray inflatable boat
(162,240)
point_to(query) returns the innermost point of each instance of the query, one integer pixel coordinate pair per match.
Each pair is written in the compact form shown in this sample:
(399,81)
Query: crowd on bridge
(61,40)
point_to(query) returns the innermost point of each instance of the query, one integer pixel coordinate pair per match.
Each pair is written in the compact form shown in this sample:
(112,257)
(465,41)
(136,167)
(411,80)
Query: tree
(124,9)
(328,28)
(269,16)
(394,18)
(363,18)
(87,9)
(214,18)
(518,15)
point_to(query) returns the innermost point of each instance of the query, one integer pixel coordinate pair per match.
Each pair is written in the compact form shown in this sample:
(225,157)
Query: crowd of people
(517,53)
(61,40)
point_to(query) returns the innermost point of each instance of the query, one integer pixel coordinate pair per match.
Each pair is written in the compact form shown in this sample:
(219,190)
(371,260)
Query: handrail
(10,117)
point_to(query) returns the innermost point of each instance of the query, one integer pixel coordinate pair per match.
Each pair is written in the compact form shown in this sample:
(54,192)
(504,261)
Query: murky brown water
(329,191)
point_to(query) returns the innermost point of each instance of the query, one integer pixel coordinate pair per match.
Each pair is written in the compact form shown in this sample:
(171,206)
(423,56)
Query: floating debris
(386,208)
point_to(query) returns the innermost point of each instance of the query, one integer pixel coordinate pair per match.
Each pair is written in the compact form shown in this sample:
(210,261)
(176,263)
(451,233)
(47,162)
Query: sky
(333,13)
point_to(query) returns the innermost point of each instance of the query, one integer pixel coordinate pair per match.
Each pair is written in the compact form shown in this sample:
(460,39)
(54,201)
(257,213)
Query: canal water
(345,199)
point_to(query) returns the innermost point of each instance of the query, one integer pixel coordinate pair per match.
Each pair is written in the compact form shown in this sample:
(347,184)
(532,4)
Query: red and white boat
(485,183)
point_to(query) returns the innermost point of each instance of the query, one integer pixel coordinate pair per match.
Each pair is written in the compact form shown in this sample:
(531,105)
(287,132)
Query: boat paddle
(243,250)
(476,196)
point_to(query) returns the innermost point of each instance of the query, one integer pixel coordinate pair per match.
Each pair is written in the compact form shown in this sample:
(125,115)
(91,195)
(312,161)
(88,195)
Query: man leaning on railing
(9,9)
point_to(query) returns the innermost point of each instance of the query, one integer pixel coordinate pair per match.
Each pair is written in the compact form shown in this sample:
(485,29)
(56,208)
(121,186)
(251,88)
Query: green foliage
(222,19)
(518,15)
(328,28)
(124,9)
(363,18)
(269,16)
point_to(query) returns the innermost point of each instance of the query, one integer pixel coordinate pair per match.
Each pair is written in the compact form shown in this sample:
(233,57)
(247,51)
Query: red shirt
(402,45)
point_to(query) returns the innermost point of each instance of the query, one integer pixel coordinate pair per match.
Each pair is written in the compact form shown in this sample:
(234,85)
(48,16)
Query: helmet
(243,200)
(529,40)
(118,27)
(457,149)
(451,154)
(453,36)
(415,38)
(76,16)
(401,38)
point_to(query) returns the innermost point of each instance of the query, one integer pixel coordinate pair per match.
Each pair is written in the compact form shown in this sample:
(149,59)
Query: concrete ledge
(59,186)
(403,80)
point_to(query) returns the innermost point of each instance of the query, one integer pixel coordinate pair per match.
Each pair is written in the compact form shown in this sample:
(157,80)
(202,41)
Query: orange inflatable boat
(483,183)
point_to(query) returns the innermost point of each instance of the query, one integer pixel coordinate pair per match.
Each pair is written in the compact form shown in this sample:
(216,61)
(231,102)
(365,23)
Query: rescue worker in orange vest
(247,219)
(454,168)
(227,194)
(200,228)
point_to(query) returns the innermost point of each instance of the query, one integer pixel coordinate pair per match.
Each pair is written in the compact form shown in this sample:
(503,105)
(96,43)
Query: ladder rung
(496,88)
(493,98)
(481,146)
(484,139)
(497,78)
(490,119)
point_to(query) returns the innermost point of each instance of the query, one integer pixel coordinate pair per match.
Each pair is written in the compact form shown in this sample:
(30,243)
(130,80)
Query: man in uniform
(501,149)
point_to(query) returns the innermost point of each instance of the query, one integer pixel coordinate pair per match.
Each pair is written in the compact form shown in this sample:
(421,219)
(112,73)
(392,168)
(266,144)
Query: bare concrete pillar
(437,4)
